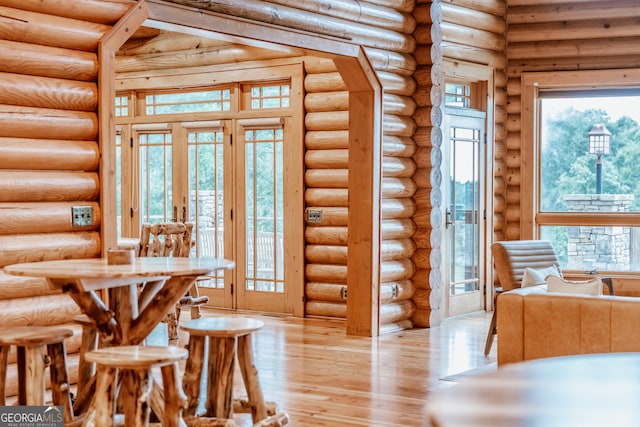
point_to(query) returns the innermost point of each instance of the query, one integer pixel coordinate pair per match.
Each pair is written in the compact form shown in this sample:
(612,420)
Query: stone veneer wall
(598,247)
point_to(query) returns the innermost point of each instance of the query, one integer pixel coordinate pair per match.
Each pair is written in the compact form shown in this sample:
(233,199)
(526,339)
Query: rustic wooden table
(571,391)
(129,315)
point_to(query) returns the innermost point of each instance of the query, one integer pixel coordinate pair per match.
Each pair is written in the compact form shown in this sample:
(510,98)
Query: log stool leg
(104,396)
(32,363)
(220,381)
(60,393)
(4,363)
(135,389)
(174,398)
(250,378)
(192,377)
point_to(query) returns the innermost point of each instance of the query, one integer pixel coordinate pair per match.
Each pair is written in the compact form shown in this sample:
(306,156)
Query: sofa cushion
(537,276)
(586,287)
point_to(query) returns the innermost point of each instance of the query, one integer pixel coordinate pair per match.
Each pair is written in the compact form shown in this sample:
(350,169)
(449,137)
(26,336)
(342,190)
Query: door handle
(184,214)
(447,218)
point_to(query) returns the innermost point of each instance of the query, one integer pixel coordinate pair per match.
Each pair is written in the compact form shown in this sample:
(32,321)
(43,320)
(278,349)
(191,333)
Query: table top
(571,391)
(98,268)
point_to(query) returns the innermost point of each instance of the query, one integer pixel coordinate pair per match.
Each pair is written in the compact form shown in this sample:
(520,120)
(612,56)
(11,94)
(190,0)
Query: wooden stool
(37,347)
(225,335)
(134,364)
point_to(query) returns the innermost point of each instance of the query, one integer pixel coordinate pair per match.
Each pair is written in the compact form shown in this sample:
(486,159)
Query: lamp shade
(599,140)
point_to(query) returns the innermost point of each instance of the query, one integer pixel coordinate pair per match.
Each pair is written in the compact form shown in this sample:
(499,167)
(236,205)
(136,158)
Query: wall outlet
(81,216)
(314,215)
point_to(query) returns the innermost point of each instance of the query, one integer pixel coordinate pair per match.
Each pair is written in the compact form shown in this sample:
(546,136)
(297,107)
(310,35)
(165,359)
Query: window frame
(532,219)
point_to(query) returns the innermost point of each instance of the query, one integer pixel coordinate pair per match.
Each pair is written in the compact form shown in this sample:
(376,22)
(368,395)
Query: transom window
(122,106)
(269,96)
(457,95)
(188,102)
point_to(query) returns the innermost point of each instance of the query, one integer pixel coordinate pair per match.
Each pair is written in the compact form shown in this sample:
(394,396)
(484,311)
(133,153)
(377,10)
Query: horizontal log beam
(46,61)
(335,197)
(566,11)
(21,287)
(326,309)
(47,92)
(48,154)
(98,11)
(44,29)
(23,186)
(326,235)
(288,17)
(326,140)
(49,246)
(24,218)
(398,187)
(326,159)
(326,178)
(397,228)
(47,123)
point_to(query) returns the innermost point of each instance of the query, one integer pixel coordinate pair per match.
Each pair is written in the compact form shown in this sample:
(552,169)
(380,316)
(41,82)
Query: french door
(464,147)
(227,177)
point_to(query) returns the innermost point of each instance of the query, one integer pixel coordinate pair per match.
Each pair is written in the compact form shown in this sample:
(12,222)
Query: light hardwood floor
(322,377)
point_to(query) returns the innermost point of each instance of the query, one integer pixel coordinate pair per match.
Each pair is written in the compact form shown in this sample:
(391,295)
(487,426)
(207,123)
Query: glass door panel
(263,284)
(155,162)
(206,191)
(463,214)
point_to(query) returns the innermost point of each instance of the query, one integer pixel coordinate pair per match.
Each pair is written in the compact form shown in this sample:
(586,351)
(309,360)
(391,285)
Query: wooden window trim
(531,83)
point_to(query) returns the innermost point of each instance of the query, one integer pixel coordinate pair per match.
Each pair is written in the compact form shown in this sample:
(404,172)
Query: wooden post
(365,154)
(107,49)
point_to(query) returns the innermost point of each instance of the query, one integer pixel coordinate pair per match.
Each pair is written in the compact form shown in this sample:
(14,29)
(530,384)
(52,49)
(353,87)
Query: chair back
(166,239)
(512,257)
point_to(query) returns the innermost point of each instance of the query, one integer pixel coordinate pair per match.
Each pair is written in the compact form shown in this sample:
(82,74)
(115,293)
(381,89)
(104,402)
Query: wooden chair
(172,239)
(511,258)
(38,347)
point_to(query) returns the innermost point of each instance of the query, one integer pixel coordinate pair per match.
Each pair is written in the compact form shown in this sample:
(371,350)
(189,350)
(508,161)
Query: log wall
(457,30)
(565,36)
(326,178)
(48,149)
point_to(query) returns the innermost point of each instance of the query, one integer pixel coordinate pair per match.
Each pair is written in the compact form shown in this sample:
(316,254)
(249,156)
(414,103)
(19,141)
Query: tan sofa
(533,324)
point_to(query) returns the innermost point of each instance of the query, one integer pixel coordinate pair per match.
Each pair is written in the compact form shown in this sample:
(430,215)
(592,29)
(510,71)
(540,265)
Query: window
(585,151)
(122,106)
(188,102)
(457,95)
(269,96)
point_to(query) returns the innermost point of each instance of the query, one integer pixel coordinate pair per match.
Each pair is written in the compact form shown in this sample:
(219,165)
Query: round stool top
(221,326)
(136,356)
(33,335)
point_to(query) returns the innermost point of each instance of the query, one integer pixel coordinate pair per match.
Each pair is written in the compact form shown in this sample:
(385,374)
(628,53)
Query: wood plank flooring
(322,377)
